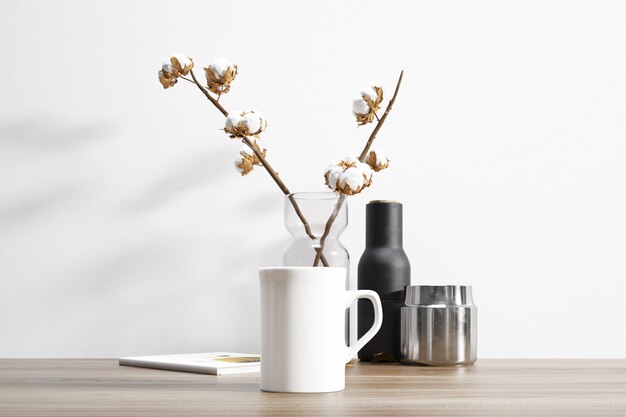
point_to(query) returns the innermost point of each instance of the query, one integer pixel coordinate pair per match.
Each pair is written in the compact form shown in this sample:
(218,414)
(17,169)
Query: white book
(212,363)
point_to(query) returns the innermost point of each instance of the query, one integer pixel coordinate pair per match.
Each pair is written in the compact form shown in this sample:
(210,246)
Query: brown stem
(362,156)
(328,226)
(209,96)
(319,255)
(267,166)
(368,145)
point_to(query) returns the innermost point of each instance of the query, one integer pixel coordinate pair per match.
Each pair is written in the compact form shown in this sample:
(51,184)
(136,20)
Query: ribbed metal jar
(438,325)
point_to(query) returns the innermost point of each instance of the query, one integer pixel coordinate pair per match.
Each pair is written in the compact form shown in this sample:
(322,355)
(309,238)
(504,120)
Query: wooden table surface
(493,387)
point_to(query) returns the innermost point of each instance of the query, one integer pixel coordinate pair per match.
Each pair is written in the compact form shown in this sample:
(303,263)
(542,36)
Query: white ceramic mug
(303,346)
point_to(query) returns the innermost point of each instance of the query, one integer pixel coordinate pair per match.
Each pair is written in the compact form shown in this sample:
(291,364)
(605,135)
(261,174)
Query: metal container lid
(439,296)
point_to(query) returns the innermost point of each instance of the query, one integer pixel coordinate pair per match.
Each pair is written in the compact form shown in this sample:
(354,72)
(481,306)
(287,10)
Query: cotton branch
(362,156)
(270,170)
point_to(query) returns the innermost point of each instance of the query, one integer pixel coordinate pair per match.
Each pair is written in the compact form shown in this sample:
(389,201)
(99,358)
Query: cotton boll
(377,160)
(239,164)
(360,106)
(220,66)
(370,92)
(248,158)
(350,159)
(380,157)
(243,164)
(333,175)
(240,124)
(348,176)
(168,75)
(219,74)
(353,178)
(247,152)
(335,162)
(365,170)
(332,166)
(181,58)
(263,122)
(175,66)
(231,125)
(251,123)
(167,80)
(365,106)
(167,67)
(182,64)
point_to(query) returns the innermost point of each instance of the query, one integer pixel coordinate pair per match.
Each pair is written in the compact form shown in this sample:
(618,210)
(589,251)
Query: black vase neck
(383,224)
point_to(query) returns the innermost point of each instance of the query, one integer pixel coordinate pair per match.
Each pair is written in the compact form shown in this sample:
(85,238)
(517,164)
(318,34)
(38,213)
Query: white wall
(124,228)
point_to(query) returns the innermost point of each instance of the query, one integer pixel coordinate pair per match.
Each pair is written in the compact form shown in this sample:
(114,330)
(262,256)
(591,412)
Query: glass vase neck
(307,213)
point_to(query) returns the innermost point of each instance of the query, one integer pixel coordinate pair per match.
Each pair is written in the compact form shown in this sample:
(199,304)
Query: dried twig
(289,195)
(319,254)
(362,156)
(209,96)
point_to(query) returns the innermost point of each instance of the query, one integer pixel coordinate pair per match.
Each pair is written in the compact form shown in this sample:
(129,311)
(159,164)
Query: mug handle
(378,319)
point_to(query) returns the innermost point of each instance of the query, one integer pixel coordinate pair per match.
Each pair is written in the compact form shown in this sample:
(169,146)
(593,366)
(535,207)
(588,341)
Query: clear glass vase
(306,216)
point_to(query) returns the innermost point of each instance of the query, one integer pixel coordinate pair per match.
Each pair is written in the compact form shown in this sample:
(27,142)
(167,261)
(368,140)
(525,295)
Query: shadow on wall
(45,137)
(271,203)
(107,284)
(39,190)
(192,173)
(24,209)
(43,134)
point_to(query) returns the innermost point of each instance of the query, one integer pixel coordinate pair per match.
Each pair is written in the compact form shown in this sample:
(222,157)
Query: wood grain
(99,387)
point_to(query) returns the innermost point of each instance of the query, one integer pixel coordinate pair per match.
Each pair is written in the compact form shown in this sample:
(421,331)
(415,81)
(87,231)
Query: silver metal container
(438,325)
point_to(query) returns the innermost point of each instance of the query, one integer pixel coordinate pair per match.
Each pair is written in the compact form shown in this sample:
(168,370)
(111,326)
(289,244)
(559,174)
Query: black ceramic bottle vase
(384,268)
